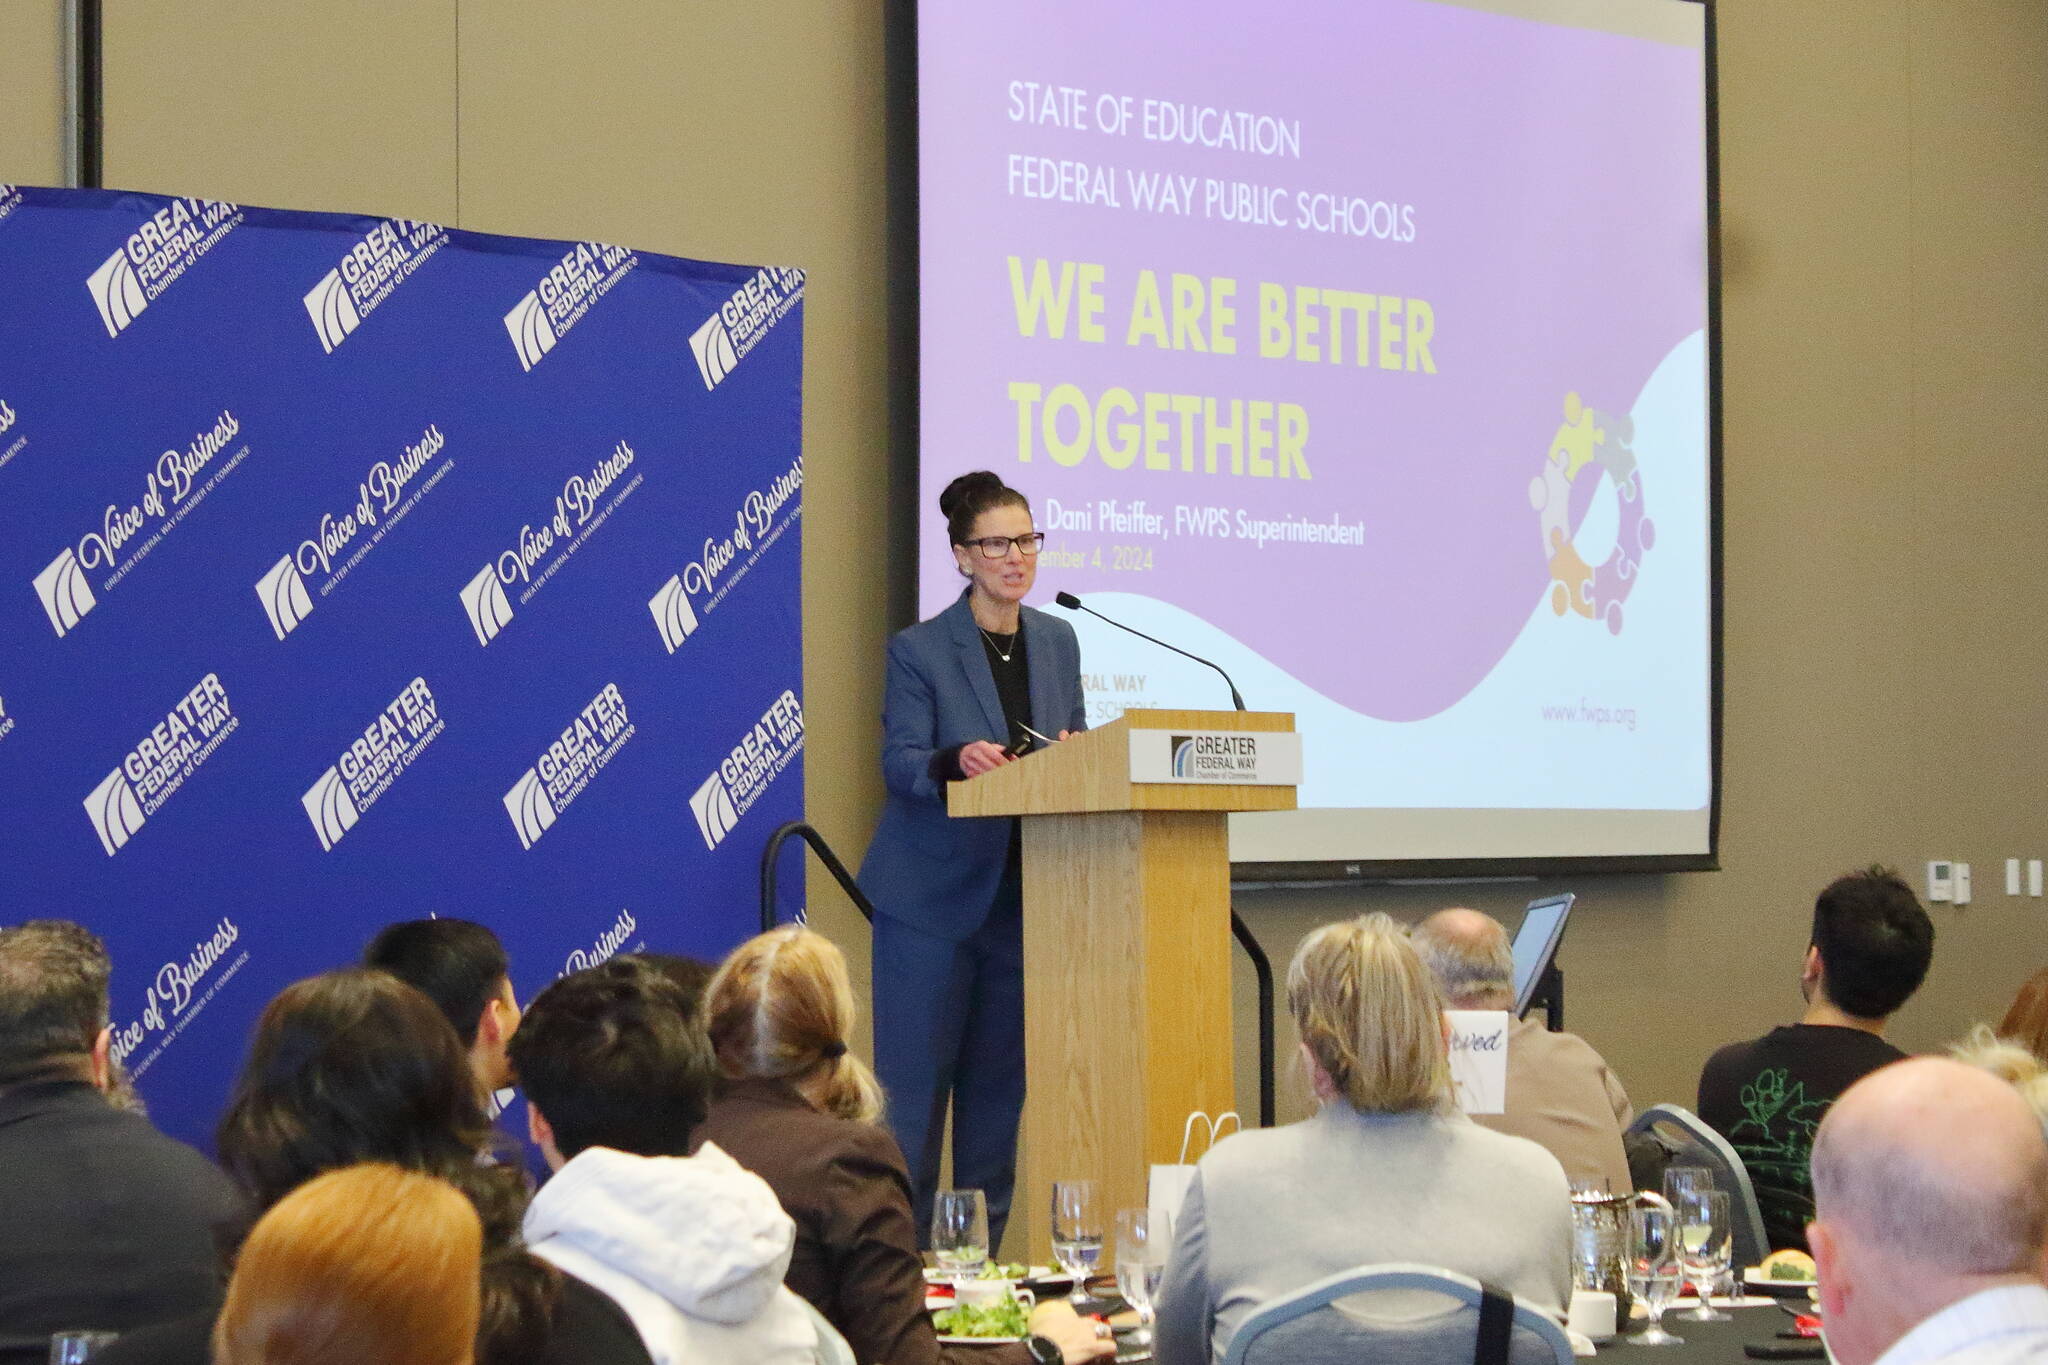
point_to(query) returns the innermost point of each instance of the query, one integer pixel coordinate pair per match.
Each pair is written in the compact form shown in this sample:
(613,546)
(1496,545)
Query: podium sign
(1127,1016)
(1242,758)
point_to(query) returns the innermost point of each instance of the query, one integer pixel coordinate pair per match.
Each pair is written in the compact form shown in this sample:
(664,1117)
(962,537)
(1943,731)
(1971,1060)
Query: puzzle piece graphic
(1550,493)
(1617,453)
(1576,439)
(1571,578)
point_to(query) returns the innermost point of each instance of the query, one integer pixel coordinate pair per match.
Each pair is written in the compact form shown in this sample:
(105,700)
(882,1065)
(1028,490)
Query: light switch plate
(1941,881)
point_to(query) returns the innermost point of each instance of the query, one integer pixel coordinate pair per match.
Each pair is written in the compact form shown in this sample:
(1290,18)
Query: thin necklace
(1001,653)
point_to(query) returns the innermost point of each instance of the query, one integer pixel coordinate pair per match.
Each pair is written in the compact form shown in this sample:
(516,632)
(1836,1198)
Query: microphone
(1073,603)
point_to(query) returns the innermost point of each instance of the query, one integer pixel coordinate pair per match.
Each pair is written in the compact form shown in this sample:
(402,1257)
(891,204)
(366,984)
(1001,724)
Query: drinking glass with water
(960,1233)
(1140,1266)
(1076,1232)
(75,1348)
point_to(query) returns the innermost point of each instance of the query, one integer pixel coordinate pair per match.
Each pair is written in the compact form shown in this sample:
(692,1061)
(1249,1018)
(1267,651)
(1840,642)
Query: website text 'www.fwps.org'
(1587,714)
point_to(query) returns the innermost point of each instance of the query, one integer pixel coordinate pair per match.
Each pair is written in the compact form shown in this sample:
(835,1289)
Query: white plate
(1756,1275)
(978,1341)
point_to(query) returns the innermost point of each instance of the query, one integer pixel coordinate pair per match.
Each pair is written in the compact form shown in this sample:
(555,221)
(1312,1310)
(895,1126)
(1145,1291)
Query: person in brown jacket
(803,1113)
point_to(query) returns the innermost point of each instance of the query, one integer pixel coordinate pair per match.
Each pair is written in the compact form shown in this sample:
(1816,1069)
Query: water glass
(75,1348)
(1705,1237)
(1680,1181)
(1654,1268)
(1076,1232)
(1140,1266)
(960,1233)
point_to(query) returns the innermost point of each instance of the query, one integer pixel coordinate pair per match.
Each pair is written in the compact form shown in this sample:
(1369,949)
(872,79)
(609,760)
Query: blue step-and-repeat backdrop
(357,570)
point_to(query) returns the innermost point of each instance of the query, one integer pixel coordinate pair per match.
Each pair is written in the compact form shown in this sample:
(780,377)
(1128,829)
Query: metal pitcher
(1600,1243)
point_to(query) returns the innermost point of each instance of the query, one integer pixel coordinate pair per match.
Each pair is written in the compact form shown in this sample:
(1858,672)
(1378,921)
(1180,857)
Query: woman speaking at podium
(966,691)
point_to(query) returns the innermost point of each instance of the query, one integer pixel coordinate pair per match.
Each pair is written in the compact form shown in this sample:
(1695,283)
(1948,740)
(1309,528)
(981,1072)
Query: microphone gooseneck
(1073,603)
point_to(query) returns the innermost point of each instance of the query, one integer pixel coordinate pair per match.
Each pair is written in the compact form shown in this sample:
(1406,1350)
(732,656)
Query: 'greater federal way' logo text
(585,274)
(749,769)
(381,259)
(155,255)
(743,320)
(154,770)
(560,774)
(373,761)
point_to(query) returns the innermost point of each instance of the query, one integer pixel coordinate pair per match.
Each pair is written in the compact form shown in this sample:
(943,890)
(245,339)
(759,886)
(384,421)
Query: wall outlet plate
(1961,890)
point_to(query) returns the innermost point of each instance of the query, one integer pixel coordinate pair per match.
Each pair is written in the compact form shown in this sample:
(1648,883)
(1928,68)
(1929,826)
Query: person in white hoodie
(617,1072)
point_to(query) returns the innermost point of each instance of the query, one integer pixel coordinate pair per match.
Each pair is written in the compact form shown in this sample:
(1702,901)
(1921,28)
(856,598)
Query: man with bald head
(1561,1094)
(1930,1187)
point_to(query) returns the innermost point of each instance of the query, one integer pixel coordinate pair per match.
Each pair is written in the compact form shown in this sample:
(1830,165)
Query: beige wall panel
(31,92)
(305,106)
(747,133)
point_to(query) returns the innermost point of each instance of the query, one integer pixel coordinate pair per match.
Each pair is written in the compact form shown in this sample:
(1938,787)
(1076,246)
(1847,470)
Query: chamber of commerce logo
(1213,756)
(381,259)
(13,448)
(560,775)
(174,488)
(155,255)
(751,767)
(284,597)
(374,760)
(161,761)
(1183,749)
(384,497)
(585,503)
(10,200)
(760,520)
(483,597)
(180,992)
(65,594)
(673,615)
(585,274)
(743,320)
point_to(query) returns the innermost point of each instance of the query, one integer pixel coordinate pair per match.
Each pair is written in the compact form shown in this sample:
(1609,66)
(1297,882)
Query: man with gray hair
(1930,1187)
(1560,1092)
(107,1223)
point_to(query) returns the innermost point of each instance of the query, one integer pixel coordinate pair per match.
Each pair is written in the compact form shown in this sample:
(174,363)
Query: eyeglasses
(998,547)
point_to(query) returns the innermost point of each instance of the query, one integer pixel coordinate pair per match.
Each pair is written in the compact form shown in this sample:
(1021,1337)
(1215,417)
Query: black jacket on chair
(105,1223)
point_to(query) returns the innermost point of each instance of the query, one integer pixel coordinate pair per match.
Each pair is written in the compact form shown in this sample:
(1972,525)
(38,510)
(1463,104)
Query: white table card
(1479,1059)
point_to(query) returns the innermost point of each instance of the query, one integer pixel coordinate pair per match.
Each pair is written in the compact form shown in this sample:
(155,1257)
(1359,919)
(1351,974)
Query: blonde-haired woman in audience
(2016,1065)
(1386,1170)
(367,1265)
(802,1112)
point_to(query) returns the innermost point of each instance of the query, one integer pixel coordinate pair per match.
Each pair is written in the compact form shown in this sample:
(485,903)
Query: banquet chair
(1394,1314)
(1691,1142)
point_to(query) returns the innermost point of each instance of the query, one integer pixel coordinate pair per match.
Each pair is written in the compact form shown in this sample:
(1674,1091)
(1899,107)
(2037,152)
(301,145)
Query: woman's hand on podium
(982,756)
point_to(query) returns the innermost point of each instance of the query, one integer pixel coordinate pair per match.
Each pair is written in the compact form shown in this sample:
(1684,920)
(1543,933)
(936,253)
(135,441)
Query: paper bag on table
(1479,1059)
(1169,1185)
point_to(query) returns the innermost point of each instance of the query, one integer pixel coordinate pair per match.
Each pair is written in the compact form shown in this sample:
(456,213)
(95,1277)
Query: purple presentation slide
(1359,345)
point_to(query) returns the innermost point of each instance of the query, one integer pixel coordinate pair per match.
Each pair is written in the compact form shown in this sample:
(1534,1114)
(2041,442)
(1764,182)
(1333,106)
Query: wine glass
(1140,1266)
(1680,1181)
(960,1233)
(1653,1268)
(1076,1232)
(75,1348)
(1705,1237)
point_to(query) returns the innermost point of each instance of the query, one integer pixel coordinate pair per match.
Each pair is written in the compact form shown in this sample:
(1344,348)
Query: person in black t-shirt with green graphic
(1869,952)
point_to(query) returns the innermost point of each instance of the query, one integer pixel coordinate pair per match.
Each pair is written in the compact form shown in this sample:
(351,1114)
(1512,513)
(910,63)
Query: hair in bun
(968,496)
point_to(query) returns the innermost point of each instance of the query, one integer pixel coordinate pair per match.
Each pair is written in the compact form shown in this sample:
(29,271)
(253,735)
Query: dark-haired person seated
(805,1114)
(617,1072)
(1868,953)
(463,969)
(104,1222)
(357,1066)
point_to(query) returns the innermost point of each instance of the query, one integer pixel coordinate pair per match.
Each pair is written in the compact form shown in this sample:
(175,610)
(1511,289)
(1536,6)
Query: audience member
(2017,1066)
(1560,1092)
(1931,1185)
(357,1066)
(367,1265)
(462,968)
(1387,1169)
(2026,1022)
(803,1113)
(104,1222)
(1869,951)
(617,1072)
(687,974)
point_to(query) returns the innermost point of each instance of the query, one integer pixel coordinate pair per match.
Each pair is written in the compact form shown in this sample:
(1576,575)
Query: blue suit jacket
(924,868)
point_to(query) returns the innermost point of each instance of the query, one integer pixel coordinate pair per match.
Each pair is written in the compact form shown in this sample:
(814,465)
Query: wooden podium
(1127,1016)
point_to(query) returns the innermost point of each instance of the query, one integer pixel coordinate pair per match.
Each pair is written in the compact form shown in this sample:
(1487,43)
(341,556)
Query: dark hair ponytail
(968,496)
